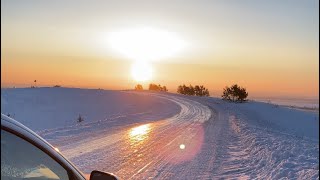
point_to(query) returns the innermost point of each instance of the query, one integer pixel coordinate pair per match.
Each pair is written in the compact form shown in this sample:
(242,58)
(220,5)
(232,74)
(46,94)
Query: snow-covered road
(186,137)
(160,149)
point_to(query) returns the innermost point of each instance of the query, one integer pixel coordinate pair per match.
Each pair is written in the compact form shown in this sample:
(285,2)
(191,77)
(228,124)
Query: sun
(145,43)
(141,71)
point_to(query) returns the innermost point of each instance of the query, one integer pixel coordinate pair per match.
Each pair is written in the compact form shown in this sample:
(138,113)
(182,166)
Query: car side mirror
(98,175)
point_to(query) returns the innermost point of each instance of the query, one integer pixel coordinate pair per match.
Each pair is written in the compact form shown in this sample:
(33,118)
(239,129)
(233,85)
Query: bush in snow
(235,93)
(201,91)
(80,119)
(186,90)
(193,91)
(154,87)
(138,87)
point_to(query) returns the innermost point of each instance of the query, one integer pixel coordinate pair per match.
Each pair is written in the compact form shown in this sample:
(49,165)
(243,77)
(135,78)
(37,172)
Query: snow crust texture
(142,135)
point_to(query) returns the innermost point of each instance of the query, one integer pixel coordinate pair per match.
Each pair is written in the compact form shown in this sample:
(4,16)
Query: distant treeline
(193,91)
(235,93)
(152,87)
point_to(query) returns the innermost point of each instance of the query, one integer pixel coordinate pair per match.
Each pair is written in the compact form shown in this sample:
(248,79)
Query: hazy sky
(270,47)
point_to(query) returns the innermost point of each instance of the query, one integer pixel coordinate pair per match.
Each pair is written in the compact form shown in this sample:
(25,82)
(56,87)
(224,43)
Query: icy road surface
(203,141)
(185,138)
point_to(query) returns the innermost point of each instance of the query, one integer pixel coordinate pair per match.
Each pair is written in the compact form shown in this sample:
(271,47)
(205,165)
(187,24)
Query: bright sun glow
(145,44)
(141,71)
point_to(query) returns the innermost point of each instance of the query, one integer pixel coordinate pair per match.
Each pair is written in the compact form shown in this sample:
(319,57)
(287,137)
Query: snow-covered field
(311,103)
(141,135)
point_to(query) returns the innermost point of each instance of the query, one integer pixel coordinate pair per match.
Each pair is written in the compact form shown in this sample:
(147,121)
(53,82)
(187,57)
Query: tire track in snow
(155,156)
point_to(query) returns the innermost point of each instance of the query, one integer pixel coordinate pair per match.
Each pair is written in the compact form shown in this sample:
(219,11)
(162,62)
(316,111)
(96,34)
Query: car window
(22,160)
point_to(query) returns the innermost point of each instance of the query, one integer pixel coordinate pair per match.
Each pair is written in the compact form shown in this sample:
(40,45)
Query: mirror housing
(98,175)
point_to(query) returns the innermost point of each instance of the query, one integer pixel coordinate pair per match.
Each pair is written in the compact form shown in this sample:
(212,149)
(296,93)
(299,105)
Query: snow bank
(282,119)
(48,108)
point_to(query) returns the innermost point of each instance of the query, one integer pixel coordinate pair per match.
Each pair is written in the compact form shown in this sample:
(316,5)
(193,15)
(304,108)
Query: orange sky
(115,74)
(271,54)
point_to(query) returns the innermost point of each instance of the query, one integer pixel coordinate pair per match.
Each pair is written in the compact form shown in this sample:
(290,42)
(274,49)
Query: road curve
(141,135)
(159,149)
(207,139)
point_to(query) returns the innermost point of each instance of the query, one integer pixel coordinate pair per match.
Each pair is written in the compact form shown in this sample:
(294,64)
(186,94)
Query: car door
(21,159)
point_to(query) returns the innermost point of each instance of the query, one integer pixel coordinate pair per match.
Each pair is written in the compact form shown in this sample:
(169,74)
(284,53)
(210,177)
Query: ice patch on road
(191,111)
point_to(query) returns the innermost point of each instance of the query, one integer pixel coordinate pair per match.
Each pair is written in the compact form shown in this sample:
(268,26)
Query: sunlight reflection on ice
(139,133)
